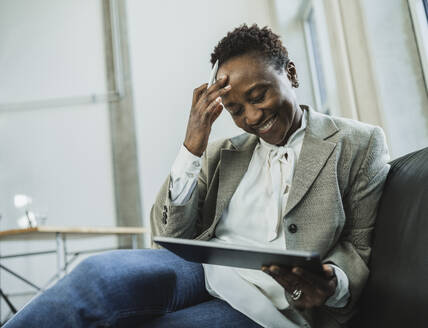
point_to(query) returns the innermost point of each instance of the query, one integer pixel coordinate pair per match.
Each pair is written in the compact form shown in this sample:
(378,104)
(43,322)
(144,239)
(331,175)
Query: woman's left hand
(315,289)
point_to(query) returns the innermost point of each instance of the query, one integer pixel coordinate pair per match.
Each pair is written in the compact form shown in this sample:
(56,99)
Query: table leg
(61,255)
(64,253)
(134,242)
(0,297)
(8,302)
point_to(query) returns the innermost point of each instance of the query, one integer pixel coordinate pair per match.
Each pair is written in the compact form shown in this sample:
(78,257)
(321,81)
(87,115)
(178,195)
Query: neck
(295,125)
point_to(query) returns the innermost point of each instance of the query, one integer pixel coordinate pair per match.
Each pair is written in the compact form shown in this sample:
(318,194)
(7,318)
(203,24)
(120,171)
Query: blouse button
(292,228)
(190,175)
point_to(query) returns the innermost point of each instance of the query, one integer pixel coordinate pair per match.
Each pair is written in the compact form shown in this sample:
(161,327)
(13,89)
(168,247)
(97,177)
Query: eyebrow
(252,87)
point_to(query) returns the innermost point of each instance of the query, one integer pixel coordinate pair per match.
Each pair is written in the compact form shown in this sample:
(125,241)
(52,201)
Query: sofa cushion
(396,294)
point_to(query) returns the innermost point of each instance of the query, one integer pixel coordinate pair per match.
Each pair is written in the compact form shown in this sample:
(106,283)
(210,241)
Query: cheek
(240,123)
(272,102)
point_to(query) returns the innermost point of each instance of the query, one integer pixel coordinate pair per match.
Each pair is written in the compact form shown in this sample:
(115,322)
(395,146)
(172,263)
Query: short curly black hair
(244,39)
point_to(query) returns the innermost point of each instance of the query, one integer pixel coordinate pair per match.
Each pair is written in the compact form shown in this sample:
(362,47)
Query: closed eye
(259,98)
(237,112)
(235,109)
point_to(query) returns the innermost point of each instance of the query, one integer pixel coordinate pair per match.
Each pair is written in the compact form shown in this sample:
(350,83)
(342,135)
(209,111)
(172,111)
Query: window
(426,8)
(419,13)
(315,62)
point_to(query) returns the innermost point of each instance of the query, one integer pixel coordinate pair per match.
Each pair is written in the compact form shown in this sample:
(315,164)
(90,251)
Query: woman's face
(262,100)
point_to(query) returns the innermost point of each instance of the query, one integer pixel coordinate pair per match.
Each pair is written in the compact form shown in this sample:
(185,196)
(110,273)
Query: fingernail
(227,87)
(218,99)
(274,269)
(297,270)
(222,77)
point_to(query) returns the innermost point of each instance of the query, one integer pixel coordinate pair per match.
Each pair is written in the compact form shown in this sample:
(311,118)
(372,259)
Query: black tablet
(239,256)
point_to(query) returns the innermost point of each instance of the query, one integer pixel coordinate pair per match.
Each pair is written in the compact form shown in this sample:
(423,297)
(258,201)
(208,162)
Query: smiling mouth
(267,125)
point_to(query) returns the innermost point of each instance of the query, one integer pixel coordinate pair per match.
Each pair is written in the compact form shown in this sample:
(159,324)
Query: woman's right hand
(206,107)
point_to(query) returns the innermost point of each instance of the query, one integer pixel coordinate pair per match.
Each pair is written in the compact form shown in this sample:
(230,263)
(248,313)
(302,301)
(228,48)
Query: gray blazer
(333,199)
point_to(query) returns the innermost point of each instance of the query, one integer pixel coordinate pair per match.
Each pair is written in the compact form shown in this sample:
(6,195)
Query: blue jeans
(130,288)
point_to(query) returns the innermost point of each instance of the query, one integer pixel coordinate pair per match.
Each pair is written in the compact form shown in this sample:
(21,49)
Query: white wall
(170,43)
(59,156)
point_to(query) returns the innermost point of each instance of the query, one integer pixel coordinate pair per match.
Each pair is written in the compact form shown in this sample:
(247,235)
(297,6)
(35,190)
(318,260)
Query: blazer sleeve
(352,251)
(179,221)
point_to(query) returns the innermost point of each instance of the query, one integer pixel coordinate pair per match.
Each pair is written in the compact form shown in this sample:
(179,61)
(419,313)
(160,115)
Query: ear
(290,68)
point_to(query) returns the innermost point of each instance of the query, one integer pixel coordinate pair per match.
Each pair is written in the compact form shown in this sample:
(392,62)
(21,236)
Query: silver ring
(297,293)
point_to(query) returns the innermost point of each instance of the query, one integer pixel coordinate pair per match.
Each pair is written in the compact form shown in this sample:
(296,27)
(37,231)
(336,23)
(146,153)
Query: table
(60,234)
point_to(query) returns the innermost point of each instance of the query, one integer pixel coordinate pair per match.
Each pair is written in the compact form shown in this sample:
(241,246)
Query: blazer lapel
(233,165)
(313,156)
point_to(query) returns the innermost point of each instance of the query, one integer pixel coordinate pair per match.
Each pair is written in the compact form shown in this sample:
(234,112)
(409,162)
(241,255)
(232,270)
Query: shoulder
(348,132)
(356,130)
(361,138)
(359,146)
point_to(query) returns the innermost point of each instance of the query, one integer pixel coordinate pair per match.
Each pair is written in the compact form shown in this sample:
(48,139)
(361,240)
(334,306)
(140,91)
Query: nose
(253,115)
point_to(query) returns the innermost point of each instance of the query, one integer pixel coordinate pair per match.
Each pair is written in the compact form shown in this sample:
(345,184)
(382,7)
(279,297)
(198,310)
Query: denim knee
(125,269)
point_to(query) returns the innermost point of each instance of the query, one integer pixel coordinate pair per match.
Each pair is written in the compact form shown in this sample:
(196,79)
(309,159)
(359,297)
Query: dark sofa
(396,294)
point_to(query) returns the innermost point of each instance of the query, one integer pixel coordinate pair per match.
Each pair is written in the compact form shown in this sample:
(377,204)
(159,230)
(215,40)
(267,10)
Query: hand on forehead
(244,72)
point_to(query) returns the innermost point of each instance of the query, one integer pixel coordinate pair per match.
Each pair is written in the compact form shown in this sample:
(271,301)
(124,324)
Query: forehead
(247,69)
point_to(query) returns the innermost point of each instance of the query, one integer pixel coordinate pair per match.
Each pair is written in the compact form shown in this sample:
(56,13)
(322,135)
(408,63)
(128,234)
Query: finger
(211,94)
(216,112)
(279,270)
(218,93)
(284,277)
(328,270)
(221,82)
(208,113)
(292,280)
(328,273)
(319,287)
(198,92)
(310,295)
(313,279)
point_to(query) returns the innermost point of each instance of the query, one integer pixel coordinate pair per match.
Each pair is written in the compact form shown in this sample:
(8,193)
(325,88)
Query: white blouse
(253,217)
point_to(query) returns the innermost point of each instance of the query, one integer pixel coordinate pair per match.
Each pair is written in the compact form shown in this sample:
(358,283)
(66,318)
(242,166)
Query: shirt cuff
(186,164)
(340,297)
(184,174)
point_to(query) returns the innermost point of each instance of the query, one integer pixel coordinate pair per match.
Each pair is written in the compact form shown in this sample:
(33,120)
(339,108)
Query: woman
(296,179)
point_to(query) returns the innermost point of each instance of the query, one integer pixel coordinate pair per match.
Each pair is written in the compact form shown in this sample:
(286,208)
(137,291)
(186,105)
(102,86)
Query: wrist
(195,150)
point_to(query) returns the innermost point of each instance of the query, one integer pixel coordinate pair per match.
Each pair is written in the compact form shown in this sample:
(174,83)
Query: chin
(278,140)
(272,141)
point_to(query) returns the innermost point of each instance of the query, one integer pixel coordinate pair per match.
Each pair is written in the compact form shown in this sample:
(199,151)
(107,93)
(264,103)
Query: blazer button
(292,228)
(164,217)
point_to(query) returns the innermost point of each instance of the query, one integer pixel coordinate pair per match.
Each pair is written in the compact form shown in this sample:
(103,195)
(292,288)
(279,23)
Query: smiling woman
(257,65)
(296,179)
(262,101)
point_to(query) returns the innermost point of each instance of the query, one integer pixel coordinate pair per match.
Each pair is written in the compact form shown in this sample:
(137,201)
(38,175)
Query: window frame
(419,14)
(329,78)
(316,77)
